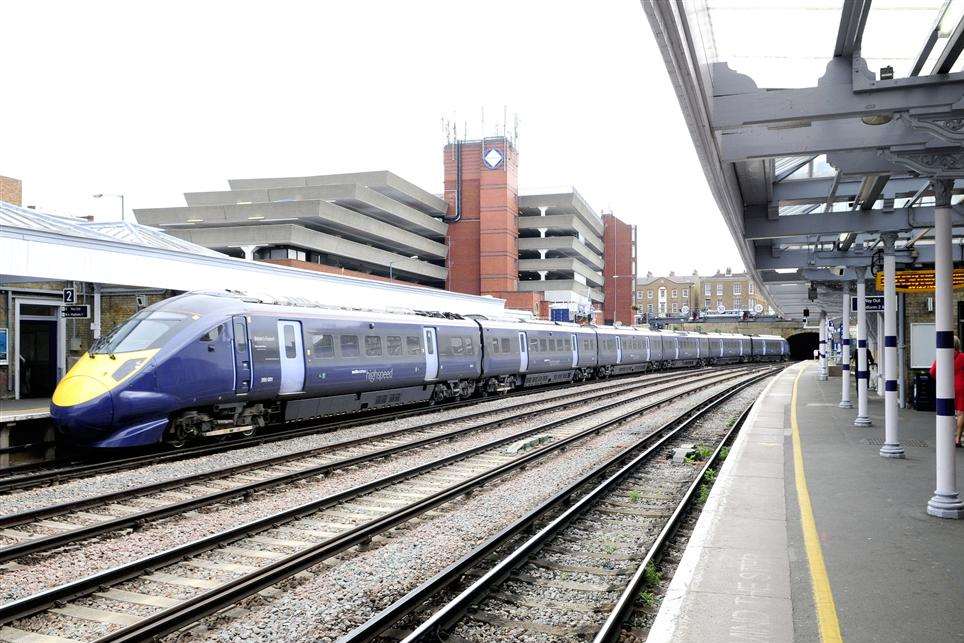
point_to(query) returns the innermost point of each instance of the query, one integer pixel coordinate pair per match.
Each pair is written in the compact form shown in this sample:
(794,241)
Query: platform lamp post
(845,402)
(892,447)
(863,375)
(118,196)
(946,502)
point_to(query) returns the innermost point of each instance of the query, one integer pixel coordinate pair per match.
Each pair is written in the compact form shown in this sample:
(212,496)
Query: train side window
(290,350)
(456,346)
(212,334)
(414,345)
(373,345)
(349,346)
(542,346)
(469,346)
(534,345)
(430,348)
(323,346)
(240,338)
(505,345)
(495,345)
(394,344)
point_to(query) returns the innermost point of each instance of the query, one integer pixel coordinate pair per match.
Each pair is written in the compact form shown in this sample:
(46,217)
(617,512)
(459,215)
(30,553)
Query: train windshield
(143,331)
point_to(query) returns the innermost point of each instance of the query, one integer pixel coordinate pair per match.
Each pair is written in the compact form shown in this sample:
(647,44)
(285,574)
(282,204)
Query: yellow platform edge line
(827,621)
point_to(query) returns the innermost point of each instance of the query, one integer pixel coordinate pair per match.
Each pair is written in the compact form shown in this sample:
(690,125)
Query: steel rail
(451,612)
(211,601)
(47,475)
(610,631)
(52,541)
(23,517)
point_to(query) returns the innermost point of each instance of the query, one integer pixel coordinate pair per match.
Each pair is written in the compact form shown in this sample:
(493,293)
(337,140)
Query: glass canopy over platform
(821,125)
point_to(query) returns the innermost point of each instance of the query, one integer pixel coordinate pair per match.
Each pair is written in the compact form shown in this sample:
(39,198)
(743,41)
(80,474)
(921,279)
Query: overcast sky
(157,99)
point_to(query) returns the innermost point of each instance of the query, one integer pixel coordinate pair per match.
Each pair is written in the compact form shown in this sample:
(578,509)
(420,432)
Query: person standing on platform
(958,388)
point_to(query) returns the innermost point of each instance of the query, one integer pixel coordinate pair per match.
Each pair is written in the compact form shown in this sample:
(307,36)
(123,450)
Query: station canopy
(821,126)
(37,247)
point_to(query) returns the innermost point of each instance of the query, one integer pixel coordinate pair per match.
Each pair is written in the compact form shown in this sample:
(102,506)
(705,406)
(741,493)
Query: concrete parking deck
(858,558)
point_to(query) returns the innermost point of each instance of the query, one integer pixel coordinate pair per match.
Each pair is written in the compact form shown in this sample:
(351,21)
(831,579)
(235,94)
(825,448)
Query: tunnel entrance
(802,345)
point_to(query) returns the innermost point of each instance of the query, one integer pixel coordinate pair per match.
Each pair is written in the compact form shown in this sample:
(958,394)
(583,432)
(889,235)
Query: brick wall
(619,269)
(11,190)
(483,247)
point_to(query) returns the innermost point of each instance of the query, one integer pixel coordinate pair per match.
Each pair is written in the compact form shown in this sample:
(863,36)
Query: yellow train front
(123,391)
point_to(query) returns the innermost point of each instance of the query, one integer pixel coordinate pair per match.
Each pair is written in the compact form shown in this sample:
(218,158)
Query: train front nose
(82,407)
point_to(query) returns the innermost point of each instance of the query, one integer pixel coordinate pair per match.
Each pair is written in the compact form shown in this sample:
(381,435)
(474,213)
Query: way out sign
(874,304)
(75,312)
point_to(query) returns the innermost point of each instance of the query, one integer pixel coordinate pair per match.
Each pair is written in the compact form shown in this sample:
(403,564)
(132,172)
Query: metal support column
(892,447)
(879,336)
(845,402)
(822,348)
(863,375)
(946,502)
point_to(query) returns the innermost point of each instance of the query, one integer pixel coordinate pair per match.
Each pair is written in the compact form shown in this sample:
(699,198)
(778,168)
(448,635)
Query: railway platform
(831,540)
(26,433)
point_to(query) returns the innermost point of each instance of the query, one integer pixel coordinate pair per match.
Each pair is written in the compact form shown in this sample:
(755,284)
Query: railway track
(165,591)
(50,527)
(27,476)
(577,566)
(47,528)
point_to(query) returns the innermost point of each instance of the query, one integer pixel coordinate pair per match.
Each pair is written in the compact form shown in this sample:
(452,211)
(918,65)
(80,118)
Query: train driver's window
(323,347)
(394,344)
(373,345)
(349,345)
(212,334)
(414,345)
(505,345)
(240,337)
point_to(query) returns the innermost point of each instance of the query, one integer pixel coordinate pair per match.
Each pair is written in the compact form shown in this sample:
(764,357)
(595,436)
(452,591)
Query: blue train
(209,364)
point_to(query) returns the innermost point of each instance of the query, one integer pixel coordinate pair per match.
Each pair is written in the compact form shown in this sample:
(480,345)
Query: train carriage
(207,364)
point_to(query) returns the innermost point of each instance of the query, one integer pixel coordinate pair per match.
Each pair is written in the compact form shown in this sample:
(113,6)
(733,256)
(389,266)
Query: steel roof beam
(808,275)
(803,191)
(932,37)
(867,222)
(853,19)
(736,104)
(767,258)
(818,138)
(952,50)
(870,190)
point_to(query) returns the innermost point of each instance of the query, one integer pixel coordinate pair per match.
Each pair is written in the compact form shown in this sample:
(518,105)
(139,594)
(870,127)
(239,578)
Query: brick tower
(481,187)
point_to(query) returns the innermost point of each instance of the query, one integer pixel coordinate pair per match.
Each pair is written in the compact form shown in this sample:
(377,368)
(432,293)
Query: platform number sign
(70,295)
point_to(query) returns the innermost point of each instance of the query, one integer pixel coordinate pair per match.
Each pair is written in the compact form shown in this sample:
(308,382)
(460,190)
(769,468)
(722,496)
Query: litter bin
(923,391)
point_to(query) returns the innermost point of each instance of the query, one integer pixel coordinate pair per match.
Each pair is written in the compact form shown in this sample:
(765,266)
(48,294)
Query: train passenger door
(575,349)
(242,356)
(292,357)
(523,352)
(619,350)
(431,354)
